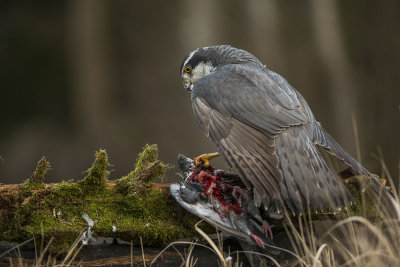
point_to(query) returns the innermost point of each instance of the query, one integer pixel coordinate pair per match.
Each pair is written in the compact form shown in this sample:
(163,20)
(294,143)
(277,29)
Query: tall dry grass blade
(330,258)
(34,245)
(19,256)
(75,254)
(237,259)
(131,253)
(262,255)
(42,254)
(141,245)
(206,237)
(395,195)
(188,261)
(70,251)
(389,177)
(310,225)
(180,242)
(378,233)
(219,238)
(49,261)
(42,240)
(301,238)
(396,205)
(193,263)
(292,241)
(318,255)
(179,253)
(369,254)
(15,247)
(350,227)
(356,138)
(287,251)
(341,247)
(350,233)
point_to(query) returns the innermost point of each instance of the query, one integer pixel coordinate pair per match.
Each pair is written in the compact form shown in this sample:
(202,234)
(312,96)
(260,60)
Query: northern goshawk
(265,129)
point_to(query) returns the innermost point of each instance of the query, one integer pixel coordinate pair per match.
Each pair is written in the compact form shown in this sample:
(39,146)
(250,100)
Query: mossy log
(128,208)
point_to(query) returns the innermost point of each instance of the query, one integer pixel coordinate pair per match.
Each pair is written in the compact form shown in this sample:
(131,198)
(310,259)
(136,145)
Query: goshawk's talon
(204,159)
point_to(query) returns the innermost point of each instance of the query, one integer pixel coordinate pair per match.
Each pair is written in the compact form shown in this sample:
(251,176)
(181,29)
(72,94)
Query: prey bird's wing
(263,128)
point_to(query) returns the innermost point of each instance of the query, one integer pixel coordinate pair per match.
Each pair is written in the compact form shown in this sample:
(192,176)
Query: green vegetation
(364,205)
(147,169)
(97,178)
(133,204)
(37,178)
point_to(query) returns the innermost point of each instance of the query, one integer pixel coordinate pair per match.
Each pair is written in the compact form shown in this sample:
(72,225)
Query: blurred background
(80,75)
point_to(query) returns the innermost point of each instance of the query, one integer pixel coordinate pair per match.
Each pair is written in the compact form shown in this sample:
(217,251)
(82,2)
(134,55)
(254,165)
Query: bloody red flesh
(228,196)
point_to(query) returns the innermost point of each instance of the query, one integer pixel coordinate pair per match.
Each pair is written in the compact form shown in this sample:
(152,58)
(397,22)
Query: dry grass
(353,241)
(42,258)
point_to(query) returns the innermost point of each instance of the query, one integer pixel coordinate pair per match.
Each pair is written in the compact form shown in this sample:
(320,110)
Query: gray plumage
(185,164)
(265,129)
(191,192)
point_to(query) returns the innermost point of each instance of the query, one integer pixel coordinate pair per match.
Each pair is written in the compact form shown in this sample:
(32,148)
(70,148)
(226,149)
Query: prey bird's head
(205,60)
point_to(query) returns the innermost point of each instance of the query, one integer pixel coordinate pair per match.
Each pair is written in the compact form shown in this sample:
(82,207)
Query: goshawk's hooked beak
(188,85)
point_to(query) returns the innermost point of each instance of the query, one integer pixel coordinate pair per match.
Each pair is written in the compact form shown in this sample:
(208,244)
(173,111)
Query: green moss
(41,169)
(148,155)
(58,213)
(147,169)
(364,205)
(152,216)
(36,180)
(56,210)
(97,175)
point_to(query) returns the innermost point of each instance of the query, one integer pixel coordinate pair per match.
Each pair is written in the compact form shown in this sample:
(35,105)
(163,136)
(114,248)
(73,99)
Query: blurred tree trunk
(198,27)
(264,29)
(340,85)
(90,64)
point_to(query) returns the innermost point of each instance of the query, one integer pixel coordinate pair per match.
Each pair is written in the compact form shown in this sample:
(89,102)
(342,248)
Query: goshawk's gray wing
(263,128)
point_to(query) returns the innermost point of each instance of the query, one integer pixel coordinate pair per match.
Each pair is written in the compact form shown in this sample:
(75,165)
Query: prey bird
(264,128)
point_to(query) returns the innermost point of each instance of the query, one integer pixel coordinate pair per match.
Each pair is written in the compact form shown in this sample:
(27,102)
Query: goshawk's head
(205,60)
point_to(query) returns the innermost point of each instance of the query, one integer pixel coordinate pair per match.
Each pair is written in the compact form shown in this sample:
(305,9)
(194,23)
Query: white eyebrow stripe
(190,56)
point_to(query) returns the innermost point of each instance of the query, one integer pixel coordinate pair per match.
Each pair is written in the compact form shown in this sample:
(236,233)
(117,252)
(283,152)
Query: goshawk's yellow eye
(188,69)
